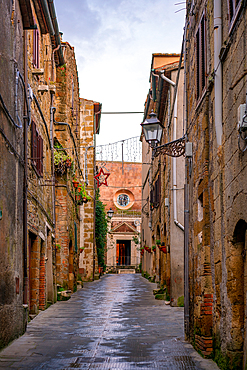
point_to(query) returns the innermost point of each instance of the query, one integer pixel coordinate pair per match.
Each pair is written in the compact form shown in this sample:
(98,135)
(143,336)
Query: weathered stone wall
(67,141)
(12,320)
(217,195)
(88,265)
(40,201)
(199,230)
(166,266)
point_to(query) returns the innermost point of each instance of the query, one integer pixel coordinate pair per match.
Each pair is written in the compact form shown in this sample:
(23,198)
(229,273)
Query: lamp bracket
(175,148)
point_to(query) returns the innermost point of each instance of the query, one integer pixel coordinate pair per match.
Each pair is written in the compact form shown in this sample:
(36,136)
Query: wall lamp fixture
(153,129)
(110,213)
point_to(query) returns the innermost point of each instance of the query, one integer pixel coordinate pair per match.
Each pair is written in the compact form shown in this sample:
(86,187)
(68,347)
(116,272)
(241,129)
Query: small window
(200,207)
(36,48)
(123,200)
(37,150)
(201,58)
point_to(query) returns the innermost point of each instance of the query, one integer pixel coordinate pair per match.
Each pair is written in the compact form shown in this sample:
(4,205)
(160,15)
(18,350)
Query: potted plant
(148,249)
(75,182)
(142,250)
(154,248)
(163,247)
(82,194)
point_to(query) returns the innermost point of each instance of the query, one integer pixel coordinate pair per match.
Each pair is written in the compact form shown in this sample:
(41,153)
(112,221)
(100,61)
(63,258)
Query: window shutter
(41,157)
(151,199)
(36,48)
(197,64)
(38,155)
(203,54)
(34,144)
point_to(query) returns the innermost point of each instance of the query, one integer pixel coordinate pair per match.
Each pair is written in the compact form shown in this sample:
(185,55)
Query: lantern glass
(110,213)
(152,129)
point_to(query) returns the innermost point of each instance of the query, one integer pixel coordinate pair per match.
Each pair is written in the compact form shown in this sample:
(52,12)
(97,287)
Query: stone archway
(237,293)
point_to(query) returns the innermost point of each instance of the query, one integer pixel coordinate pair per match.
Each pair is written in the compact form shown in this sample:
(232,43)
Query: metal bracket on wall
(174,148)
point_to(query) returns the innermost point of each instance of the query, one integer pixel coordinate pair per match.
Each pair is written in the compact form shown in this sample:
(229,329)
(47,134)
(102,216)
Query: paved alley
(113,323)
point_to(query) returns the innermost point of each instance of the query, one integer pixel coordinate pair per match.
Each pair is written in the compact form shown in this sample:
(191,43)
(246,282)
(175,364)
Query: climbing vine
(100,230)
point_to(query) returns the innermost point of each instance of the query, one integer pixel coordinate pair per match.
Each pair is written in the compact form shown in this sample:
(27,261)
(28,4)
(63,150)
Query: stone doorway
(123,252)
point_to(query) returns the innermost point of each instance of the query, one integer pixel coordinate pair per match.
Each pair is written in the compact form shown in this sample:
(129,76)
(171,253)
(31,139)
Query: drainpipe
(25,186)
(55,26)
(174,162)
(48,17)
(186,204)
(52,111)
(218,71)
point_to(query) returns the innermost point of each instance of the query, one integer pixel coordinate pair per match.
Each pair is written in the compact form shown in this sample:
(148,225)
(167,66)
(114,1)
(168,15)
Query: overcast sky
(114,41)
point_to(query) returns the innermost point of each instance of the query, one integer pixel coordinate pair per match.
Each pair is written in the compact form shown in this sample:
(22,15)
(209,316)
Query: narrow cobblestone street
(113,323)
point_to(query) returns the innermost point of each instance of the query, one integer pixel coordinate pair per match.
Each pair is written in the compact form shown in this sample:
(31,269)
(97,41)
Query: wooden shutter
(198,64)
(203,54)
(36,48)
(39,165)
(34,155)
(41,157)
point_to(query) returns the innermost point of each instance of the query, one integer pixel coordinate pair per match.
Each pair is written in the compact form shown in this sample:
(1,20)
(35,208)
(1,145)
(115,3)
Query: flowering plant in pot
(62,160)
(148,249)
(142,250)
(75,182)
(82,195)
(153,248)
(163,247)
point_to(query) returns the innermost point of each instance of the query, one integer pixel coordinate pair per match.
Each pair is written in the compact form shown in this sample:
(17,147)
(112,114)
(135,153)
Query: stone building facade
(123,196)
(40,177)
(90,113)
(163,181)
(216,84)
(40,161)
(14,22)
(67,169)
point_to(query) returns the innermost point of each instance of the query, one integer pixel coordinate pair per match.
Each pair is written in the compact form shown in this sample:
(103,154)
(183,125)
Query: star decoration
(101,178)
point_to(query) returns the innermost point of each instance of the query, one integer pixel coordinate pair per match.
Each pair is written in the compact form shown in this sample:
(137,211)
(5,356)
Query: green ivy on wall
(100,230)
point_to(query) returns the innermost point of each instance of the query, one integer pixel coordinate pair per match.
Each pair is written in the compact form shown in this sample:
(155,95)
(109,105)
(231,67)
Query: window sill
(38,71)
(43,88)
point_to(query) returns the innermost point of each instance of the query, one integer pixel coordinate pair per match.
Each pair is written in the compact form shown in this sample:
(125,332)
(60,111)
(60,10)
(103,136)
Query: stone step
(126,271)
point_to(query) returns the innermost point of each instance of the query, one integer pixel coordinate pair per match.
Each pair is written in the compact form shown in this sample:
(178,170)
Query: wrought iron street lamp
(110,213)
(152,129)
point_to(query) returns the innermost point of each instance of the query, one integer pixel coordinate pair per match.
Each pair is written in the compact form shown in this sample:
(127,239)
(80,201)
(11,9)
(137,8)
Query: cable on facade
(11,147)
(7,113)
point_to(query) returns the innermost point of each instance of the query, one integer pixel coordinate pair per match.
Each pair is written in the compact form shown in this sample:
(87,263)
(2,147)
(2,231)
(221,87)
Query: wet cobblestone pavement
(113,323)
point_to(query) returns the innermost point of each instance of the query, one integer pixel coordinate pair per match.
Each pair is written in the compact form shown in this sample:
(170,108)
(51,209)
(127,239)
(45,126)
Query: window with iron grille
(36,150)
(201,58)
(233,9)
(36,48)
